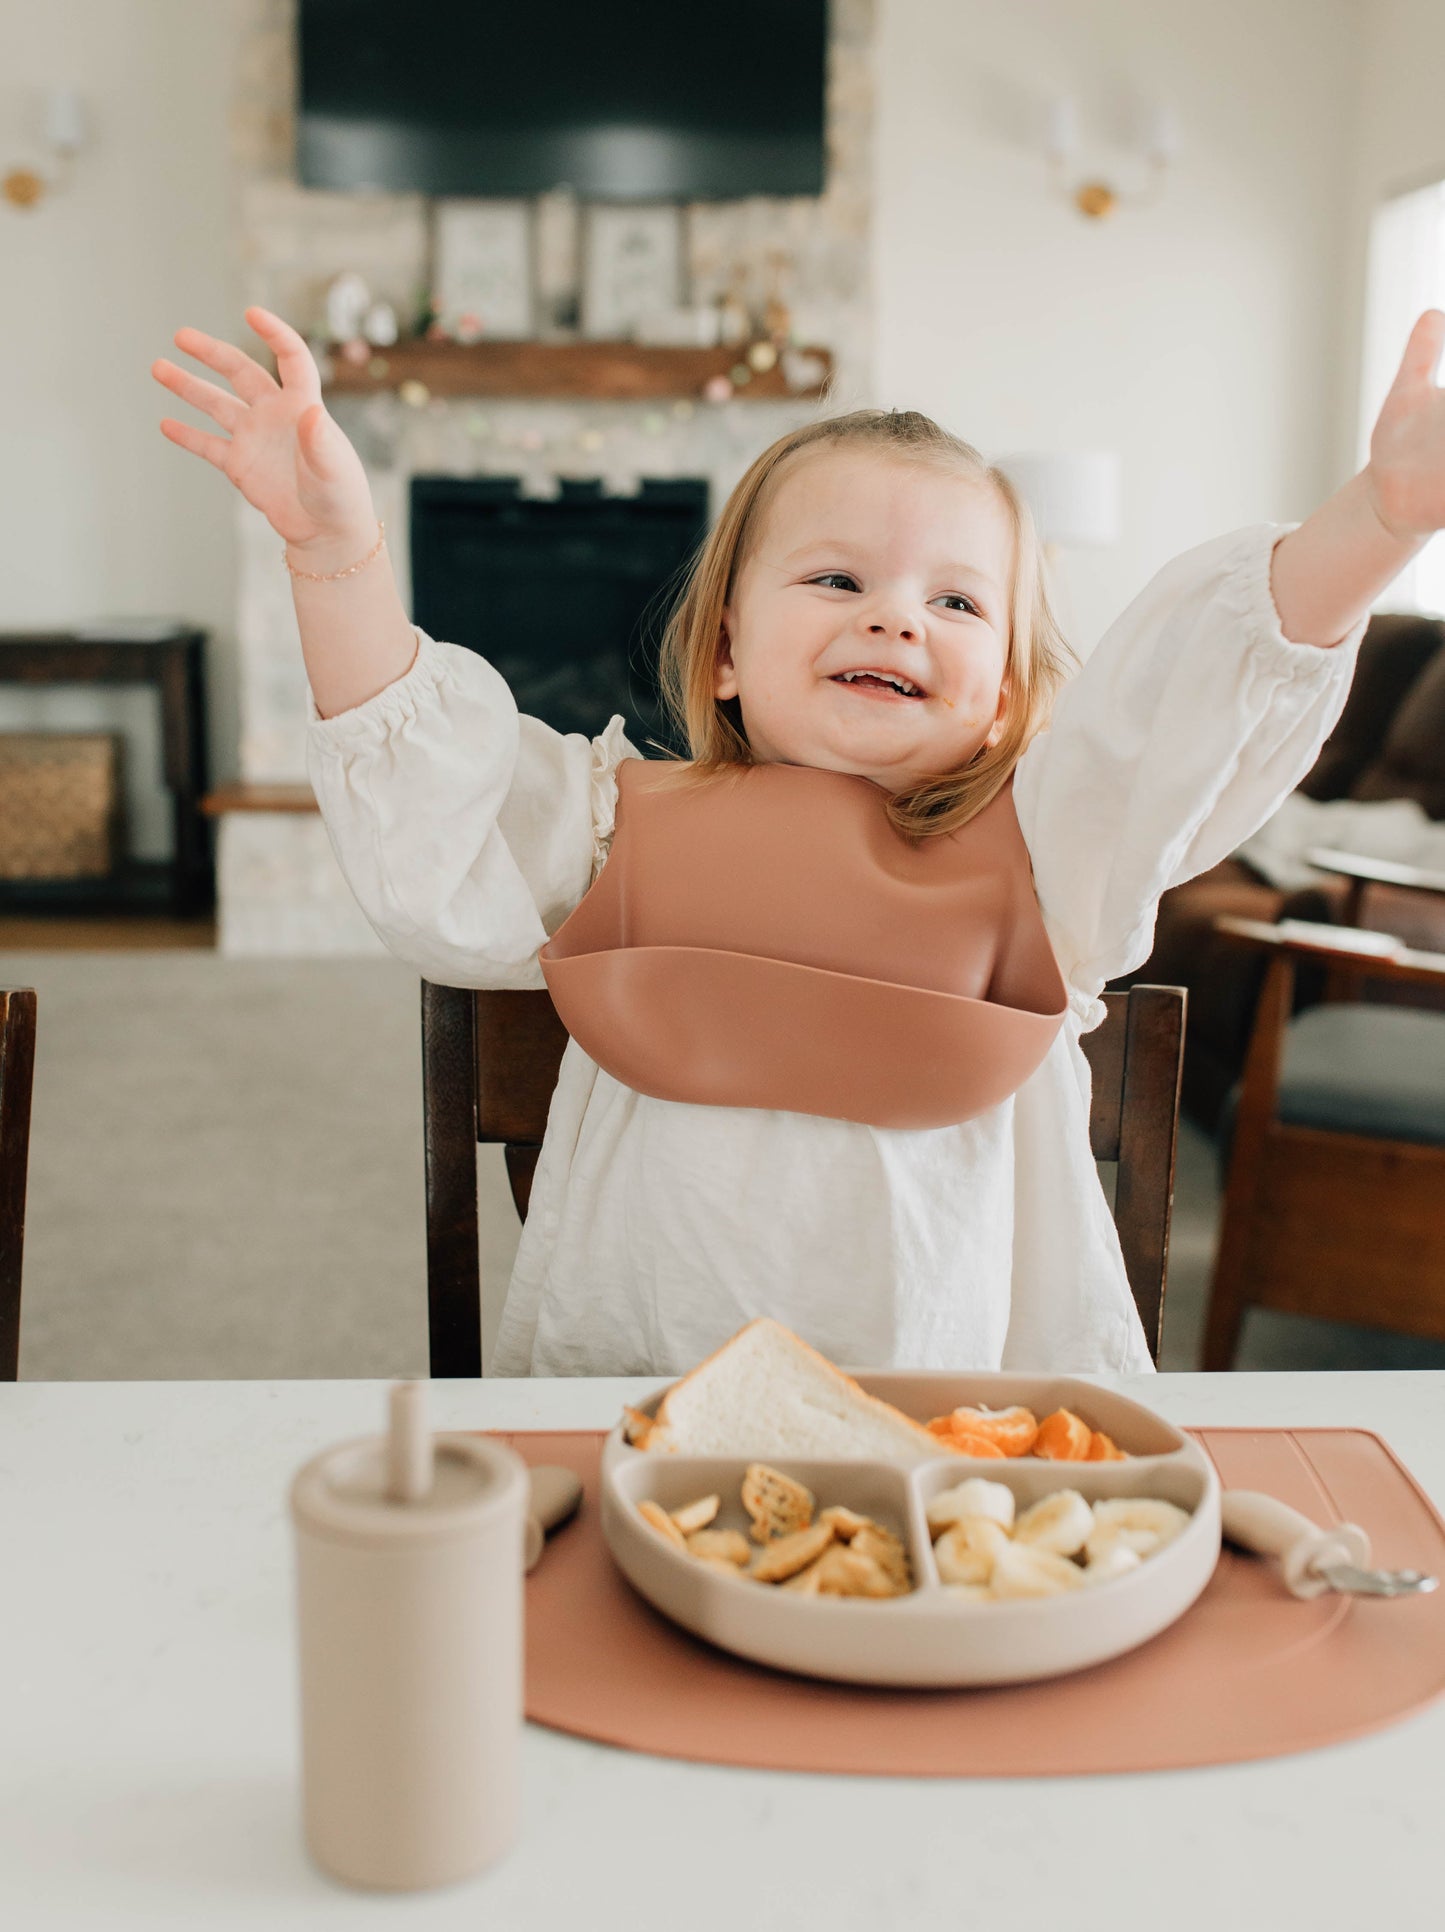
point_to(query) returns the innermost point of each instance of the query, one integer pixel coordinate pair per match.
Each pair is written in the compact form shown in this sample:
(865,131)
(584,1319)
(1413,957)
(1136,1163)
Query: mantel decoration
(482,280)
(631,267)
(709,351)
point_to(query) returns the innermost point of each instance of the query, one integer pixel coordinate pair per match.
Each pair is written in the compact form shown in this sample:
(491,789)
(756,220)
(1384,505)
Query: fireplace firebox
(565,595)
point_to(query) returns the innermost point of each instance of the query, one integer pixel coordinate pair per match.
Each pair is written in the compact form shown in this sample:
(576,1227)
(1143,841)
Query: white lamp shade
(1075,496)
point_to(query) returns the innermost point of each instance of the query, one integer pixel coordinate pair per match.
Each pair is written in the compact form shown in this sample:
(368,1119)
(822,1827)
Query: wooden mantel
(596,371)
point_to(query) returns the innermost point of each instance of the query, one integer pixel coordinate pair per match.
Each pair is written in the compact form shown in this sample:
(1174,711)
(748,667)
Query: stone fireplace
(546,533)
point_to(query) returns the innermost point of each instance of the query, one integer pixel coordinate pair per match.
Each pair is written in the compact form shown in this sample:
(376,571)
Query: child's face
(867,563)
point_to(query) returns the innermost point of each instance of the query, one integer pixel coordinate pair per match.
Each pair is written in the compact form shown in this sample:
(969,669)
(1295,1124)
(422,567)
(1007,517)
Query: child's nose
(893,630)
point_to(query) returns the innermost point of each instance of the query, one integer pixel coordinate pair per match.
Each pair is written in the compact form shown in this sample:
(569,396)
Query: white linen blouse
(469,831)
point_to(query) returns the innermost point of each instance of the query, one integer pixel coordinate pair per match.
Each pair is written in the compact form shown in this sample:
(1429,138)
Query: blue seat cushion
(1360,1069)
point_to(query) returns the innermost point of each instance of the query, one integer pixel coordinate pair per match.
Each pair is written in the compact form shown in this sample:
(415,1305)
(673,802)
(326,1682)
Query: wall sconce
(64,133)
(1098,198)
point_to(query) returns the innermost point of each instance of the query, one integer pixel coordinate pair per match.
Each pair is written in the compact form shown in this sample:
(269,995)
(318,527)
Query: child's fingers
(1422,351)
(219,404)
(213,448)
(245,375)
(294,360)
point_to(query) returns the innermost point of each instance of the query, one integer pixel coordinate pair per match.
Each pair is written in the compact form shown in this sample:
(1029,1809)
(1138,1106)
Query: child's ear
(725,677)
(995,730)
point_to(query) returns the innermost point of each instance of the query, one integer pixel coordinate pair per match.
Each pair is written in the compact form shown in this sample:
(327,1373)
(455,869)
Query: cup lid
(348,1493)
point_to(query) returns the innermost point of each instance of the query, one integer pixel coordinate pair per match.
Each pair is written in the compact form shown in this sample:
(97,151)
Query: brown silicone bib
(765,938)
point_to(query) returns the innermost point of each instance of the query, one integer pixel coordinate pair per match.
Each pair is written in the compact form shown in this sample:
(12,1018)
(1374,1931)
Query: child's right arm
(466,830)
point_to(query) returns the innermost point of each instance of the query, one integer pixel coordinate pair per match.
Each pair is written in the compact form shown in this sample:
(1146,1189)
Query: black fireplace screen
(566,596)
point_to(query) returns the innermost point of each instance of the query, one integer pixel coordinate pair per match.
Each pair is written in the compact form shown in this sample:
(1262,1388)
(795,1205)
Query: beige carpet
(226,1169)
(226,1180)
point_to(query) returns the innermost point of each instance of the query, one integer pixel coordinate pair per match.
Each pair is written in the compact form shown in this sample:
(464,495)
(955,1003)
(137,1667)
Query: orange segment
(1103,1448)
(969,1444)
(1012,1429)
(1063,1437)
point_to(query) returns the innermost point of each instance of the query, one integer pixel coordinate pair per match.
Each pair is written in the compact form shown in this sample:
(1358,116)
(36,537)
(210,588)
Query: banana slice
(1143,1524)
(1062,1523)
(967,1551)
(1115,1559)
(975,1497)
(1024,1570)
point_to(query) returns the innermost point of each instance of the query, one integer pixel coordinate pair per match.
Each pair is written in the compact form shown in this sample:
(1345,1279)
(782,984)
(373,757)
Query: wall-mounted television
(621,100)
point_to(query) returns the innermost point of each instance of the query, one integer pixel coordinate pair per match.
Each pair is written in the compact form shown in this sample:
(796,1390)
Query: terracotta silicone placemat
(1247,1672)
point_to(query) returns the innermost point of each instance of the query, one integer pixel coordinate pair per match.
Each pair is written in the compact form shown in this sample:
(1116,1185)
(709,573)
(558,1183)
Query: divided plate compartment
(932,1637)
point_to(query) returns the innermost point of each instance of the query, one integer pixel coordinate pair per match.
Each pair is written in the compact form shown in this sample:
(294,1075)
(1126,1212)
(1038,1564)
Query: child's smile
(868,627)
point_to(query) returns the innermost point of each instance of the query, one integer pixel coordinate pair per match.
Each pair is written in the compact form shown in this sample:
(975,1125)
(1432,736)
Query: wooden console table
(173,665)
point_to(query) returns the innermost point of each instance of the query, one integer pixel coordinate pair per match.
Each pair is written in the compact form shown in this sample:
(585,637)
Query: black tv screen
(622,100)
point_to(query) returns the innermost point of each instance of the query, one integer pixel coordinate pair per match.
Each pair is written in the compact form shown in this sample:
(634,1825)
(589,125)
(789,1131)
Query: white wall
(1201,337)
(99,515)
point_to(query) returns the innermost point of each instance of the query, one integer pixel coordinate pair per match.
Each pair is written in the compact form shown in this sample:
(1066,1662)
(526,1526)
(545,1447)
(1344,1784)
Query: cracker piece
(846,1522)
(722,1566)
(843,1572)
(886,1551)
(727,1546)
(654,1513)
(786,1555)
(777,1505)
(696,1516)
(805,1582)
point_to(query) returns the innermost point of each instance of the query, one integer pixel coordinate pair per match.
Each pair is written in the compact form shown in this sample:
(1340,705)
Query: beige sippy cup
(409,1596)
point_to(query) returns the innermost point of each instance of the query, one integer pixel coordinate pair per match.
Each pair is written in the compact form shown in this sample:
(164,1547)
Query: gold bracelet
(330,576)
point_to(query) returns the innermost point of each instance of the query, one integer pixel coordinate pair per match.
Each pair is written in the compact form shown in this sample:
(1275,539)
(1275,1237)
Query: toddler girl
(870,602)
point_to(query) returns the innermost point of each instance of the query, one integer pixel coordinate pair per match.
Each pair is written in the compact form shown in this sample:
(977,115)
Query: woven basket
(59,804)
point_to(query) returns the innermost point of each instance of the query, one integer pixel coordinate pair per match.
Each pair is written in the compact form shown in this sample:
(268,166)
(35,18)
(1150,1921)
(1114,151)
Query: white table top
(148,1736)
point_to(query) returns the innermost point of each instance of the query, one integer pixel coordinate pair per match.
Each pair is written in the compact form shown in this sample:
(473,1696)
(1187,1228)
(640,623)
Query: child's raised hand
(283,452)
(1406,470)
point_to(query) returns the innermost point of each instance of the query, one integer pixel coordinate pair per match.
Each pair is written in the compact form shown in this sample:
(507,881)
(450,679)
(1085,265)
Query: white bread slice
(767,1393)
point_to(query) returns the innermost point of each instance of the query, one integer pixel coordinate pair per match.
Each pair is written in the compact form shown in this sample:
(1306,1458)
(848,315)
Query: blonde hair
(1037,661)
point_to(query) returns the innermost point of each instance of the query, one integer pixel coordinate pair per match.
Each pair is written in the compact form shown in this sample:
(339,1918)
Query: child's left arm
(1326,574)
(1207,700)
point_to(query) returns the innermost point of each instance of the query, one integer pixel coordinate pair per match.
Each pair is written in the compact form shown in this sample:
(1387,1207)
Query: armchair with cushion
(1389,743)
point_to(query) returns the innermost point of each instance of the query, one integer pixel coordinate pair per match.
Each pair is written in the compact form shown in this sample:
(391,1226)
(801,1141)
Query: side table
(172,663)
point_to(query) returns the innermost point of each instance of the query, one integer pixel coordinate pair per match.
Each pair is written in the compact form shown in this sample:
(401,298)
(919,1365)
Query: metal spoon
(1312,1560)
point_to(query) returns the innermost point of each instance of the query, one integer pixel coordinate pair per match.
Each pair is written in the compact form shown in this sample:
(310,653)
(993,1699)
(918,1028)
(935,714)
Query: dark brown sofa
(1389,743)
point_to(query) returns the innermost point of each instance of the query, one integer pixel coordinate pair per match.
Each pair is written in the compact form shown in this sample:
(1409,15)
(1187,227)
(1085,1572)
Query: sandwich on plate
(767,1393)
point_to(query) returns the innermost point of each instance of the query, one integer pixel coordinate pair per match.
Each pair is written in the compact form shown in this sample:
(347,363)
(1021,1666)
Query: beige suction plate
(931,1637)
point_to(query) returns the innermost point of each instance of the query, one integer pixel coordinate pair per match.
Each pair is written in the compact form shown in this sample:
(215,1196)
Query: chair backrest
(17,1078)
(489,1066)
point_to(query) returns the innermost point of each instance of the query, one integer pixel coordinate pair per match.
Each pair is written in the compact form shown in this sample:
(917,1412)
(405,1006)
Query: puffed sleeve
(466,829)
(1192,720)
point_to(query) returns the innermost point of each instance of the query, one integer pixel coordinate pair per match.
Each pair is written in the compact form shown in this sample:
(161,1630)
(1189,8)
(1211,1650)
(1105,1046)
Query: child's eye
(957,597)
(829,575)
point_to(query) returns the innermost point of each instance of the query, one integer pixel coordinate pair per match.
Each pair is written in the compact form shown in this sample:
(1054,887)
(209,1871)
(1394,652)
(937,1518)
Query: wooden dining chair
(17,1078)
(1334,1139)
(489,1066)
